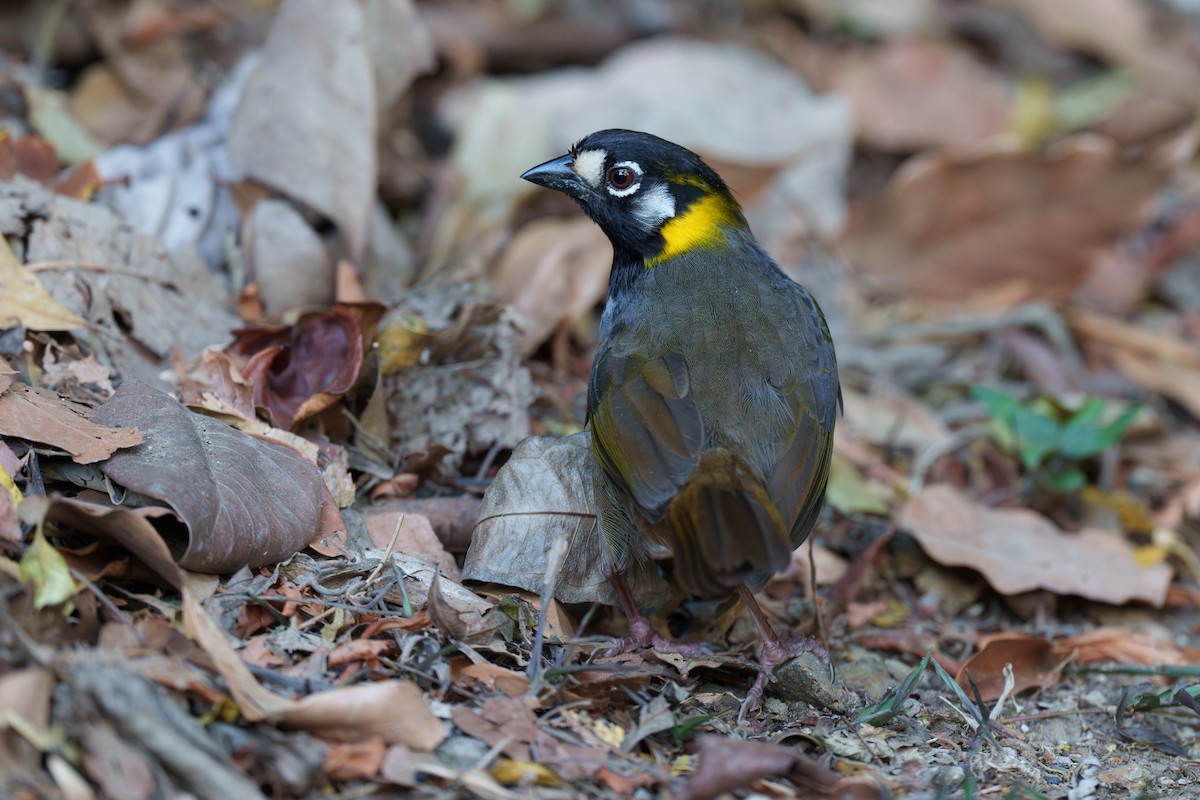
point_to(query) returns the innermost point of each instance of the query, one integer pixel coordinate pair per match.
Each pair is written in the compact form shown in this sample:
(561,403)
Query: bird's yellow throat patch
(702,224)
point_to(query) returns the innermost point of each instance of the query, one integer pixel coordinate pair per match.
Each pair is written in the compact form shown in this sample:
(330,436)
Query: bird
(714,390)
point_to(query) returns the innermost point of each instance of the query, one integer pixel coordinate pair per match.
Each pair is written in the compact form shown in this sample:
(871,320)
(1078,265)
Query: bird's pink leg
(774,652)
(641,633)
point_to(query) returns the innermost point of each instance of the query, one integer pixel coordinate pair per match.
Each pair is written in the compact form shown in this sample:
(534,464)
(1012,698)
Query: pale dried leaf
(306,122)
(546,491)
(552,272)
(462,615)
(286,258)
(1018,550)
(416,537)
(143,305)
(394,710)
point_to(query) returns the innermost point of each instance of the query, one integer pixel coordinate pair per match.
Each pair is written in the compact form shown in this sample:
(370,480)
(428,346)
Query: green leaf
(688,728)
(1068,481)
(1037,435)
(1083,437)
(47,570)
(953,686)
(1117,428)
(999,404)
(892,703)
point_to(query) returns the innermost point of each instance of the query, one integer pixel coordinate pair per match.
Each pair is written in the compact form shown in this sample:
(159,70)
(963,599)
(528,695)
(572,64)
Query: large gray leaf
(244,501)
(546,491)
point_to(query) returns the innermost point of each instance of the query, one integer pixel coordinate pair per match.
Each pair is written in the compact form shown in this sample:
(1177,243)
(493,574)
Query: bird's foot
(774,654)
(643,636)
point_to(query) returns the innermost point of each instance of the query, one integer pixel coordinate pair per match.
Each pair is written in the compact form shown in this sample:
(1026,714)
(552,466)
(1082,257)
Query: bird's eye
(621,178)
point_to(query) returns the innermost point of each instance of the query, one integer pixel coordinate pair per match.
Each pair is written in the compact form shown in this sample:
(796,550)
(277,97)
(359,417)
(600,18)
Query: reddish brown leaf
(1034,663)
(1118,645)
(300,370)
(43,417)
(730,764)
(909,94)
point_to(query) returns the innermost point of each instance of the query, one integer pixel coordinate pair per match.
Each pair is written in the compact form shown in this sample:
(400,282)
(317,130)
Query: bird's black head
(653,199)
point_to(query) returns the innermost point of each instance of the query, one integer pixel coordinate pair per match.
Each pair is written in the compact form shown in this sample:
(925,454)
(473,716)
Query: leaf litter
(268,580)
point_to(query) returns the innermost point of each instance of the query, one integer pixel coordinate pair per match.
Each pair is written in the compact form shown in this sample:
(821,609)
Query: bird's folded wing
(646,427)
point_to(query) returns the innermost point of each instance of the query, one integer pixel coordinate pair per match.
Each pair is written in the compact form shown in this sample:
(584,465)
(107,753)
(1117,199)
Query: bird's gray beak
(558,175)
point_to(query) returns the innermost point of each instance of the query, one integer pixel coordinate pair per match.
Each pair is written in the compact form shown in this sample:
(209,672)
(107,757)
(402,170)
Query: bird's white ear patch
(655,206)
(589,165)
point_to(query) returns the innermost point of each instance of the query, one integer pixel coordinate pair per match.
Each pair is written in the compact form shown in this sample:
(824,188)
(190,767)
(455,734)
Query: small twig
(311,621)
(1056,714)
(39,266)
(107,602)
(554,562)
(387,553)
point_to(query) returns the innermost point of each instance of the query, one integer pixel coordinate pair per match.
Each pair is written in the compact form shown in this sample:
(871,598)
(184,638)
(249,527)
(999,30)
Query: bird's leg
(774,651)
(641,632)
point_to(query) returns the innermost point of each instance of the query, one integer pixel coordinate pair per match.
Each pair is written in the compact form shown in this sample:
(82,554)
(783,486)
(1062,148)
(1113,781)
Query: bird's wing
(797,482)
(646,426)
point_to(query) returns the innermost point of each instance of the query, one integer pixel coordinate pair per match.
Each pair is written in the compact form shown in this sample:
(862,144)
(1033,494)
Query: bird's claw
(773,655)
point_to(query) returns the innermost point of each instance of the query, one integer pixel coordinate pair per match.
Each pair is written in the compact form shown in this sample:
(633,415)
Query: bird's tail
(724,528)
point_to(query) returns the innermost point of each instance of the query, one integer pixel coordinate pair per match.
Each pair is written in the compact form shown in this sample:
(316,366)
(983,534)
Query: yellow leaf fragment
(524,773)
(24,301)
(47,570)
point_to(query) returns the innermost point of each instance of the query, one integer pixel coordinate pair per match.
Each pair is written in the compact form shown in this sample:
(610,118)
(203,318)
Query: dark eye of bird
(621,178)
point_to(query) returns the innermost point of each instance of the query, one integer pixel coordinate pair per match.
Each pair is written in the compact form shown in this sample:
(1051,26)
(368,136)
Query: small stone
(806,677)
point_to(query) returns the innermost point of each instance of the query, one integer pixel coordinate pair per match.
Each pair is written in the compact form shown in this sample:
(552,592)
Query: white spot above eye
(589,165)
(628,190)
(654,207)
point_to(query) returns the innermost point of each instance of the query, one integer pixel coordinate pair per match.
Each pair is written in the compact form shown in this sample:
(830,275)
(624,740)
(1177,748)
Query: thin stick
(107,602)
(554,562)
(812,587)
(387,554)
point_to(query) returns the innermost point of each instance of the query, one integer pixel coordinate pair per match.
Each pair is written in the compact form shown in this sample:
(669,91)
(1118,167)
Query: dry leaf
(286,258)
(728,764)
(911,94)
(143,305)
(394,710)
(1018,550)
(300,370)
(416,537)
(1156,361)
(306,122)
(493,677)
(38,416)
(1034,660)
(349,761)
(132,528)
(1118,645)
(24,301)
(552,272)
(544,492)
(462,615)
(244,501)
(950,227)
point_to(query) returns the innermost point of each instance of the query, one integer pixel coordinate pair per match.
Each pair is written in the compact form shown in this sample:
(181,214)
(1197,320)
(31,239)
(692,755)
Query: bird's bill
(557,174)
